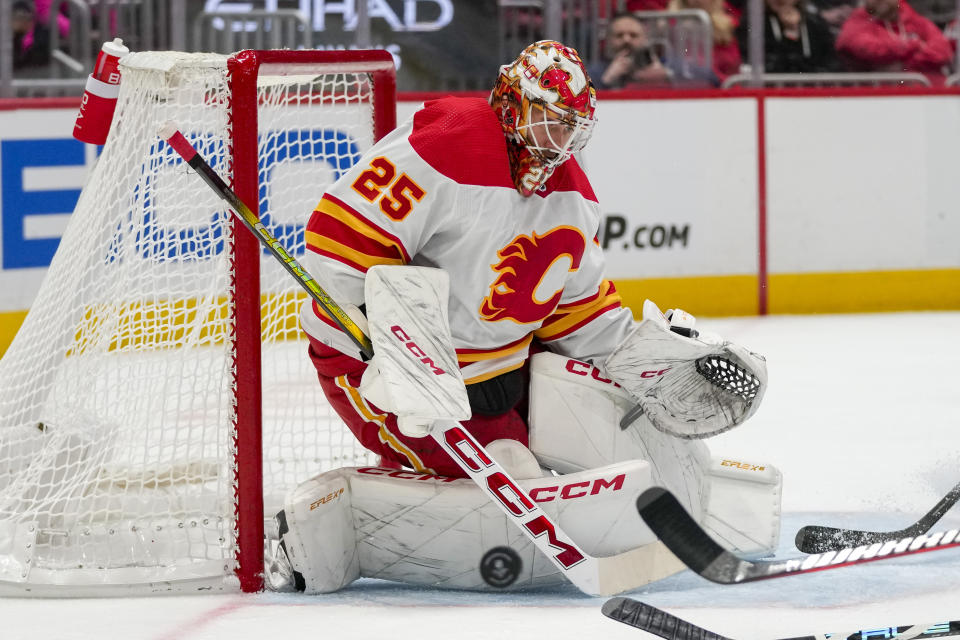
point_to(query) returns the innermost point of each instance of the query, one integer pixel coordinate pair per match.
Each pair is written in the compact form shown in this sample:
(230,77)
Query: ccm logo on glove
(653,373)
(415,350)
(583,369)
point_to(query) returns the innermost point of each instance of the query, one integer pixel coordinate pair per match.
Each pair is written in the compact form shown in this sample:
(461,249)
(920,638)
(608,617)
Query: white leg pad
(443,532)
(743,510)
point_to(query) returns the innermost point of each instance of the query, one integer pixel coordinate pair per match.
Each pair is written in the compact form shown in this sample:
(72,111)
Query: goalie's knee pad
(575,416)
(516,459)
(444,532)
(573,413)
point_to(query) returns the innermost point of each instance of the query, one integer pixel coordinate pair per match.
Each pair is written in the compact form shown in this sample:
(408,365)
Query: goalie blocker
(424,529)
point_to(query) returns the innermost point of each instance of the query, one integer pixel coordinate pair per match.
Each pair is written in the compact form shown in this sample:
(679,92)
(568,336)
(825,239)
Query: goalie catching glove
(689,384)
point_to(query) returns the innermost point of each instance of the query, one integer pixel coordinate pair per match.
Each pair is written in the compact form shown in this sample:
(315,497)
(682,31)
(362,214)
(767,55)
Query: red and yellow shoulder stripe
(338,231)
(569,317)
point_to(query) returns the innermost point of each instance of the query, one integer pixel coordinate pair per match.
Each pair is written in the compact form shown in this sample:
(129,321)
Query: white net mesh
(117,402)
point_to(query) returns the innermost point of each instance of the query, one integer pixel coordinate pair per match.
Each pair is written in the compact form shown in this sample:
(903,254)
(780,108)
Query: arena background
(752,202)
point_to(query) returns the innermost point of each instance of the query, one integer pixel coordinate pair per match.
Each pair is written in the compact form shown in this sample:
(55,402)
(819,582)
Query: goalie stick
(665,625)
(664,514)
(602,576)
(817,539)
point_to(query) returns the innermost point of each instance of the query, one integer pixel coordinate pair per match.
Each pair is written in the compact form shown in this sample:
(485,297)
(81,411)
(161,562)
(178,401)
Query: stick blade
(677,529)
(656,621)
(818,539)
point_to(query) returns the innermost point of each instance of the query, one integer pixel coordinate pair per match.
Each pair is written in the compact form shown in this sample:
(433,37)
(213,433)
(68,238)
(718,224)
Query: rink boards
(725,204)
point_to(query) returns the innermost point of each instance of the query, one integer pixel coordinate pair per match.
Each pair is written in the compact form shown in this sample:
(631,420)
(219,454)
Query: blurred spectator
(795,39)
(835,12)
(43,7)
(888,35)
(647,5)
(734,7)
(629,60)
(726,50)
(737,8)
(952,33)
(31,38)
(940,12)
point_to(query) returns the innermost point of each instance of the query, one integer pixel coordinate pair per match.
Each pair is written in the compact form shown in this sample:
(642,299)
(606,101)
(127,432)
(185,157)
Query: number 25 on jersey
(397,194)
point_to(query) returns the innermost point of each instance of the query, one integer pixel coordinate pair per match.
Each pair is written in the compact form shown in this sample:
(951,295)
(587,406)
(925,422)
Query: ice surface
(863,418)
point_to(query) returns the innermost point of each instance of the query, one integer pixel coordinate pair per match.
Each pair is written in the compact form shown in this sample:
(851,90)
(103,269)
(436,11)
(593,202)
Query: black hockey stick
(667,518)
(665,625)
(817,539)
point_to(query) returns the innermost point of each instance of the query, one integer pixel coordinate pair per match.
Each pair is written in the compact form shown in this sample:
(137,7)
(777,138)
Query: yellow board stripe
(862,292)
(177,322)
(701,296)
(10,322)
(833,292)
(168,323)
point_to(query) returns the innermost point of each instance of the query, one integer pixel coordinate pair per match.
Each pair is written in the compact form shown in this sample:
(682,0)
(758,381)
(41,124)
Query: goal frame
(243,69)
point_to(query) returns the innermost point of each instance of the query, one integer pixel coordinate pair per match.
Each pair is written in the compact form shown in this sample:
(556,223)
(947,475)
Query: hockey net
(132,428)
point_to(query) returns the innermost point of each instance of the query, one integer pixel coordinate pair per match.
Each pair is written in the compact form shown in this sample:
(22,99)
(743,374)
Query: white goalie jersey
(438,192)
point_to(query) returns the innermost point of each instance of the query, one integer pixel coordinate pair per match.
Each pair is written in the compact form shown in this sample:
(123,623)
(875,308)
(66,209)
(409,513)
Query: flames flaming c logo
(522,267)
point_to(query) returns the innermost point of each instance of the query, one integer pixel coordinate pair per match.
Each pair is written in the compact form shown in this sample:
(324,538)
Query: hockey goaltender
(479,206)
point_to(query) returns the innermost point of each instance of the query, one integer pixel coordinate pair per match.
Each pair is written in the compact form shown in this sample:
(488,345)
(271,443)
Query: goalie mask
(545,102)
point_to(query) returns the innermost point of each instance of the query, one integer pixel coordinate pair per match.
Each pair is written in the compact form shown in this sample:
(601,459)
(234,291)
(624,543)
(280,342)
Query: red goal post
(244,69)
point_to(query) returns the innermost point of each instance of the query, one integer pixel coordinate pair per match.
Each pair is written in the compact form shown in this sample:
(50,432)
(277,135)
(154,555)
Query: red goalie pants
(377,431)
